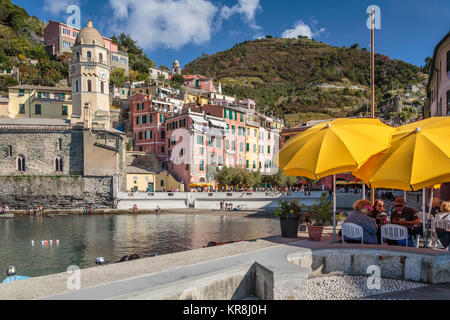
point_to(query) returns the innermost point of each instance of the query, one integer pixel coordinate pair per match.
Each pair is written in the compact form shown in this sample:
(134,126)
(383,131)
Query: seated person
(407,217)
(378,209)
(435,207)
(360,217)
(444,234)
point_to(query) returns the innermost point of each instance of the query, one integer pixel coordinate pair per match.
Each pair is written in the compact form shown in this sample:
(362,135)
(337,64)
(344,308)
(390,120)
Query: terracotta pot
(315,232)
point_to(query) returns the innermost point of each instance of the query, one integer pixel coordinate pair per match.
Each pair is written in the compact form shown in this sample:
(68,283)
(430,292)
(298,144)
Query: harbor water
(84,238)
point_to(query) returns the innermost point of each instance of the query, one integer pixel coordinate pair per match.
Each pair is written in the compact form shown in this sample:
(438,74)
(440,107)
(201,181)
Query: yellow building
(40,102)
(252,142)
(144,174)
(144,180)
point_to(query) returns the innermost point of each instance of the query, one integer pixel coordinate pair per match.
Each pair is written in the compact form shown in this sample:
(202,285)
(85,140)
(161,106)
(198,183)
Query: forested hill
(304,76)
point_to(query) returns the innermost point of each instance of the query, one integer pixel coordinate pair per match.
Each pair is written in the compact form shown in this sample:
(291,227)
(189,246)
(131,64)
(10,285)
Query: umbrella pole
(404,195)
(424,215)
(364,191)
(425,240)
(334,208)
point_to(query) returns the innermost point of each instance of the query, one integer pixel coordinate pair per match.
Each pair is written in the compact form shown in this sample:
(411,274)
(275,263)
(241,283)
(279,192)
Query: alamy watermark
(374,280)
(74,278)
(376,16)
(74,20)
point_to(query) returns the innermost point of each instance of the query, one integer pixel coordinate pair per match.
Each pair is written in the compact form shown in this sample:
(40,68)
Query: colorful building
(234,146)
(439,80)
(438,89)
(40,102)
(59,38)
(147,117)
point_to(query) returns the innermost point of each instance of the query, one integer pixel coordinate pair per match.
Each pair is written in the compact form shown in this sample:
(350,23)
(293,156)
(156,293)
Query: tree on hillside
(118,77)
(427,67)
(178,79)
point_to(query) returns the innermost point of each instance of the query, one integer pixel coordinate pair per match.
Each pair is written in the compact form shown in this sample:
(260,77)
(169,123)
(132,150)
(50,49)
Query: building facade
(40,102)
(439,80)
(438,90)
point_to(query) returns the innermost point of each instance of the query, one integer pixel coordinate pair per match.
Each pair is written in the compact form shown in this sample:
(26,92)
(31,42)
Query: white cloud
(246,8)
(301,29)
(169,23)
(58,6)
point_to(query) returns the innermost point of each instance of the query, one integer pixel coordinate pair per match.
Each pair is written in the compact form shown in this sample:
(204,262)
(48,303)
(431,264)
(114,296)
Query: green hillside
(303,76)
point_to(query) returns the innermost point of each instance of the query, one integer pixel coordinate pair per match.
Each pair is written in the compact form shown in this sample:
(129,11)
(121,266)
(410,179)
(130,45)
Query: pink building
(439,81)
(59,38)
(195,147)
(234,146)
(199,82)
(439,92)
(148,126)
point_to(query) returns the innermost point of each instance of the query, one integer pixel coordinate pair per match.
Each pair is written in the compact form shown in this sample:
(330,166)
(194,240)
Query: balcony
(252,123)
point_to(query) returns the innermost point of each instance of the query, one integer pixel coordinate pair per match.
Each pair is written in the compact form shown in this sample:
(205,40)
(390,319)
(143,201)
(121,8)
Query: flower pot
(315,232)
(289,225)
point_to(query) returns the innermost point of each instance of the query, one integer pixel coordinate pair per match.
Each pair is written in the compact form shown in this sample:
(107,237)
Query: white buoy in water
(43,243)
(32,243)
(51,242)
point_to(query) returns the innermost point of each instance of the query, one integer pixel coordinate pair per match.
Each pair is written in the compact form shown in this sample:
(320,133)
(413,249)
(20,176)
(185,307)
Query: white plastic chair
(352,231)
(442,224)
(394,232)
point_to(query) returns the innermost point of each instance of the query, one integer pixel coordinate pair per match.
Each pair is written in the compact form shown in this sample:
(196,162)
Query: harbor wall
(57,192)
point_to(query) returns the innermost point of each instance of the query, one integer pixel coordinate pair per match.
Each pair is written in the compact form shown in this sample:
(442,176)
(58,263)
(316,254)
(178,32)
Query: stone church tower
(176,69)
(90,72)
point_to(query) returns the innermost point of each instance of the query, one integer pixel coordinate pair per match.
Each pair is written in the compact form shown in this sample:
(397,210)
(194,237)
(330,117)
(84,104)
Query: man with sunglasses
(405,216)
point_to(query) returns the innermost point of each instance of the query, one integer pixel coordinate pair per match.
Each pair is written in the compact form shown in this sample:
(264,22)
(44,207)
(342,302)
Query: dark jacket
(368,225)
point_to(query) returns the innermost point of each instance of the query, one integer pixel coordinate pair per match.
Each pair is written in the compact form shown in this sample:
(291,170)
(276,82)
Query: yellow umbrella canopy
(338,146)
(417,158)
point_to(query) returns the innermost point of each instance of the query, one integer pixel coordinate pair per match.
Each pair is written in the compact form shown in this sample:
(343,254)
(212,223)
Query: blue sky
(184,29)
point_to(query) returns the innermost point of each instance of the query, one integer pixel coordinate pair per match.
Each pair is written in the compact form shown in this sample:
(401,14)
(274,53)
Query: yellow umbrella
(418,158)
(329,148)
(334,147)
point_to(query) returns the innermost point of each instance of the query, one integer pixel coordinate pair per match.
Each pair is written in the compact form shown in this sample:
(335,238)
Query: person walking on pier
(157,210)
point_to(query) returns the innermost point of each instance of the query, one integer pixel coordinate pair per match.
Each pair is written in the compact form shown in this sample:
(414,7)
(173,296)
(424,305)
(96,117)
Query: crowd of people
(372,217)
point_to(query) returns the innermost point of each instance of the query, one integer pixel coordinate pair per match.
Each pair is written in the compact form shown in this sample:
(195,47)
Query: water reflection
(83,238)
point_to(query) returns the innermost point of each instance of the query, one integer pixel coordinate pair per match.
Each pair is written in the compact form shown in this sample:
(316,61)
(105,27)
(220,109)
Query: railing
(96,60)
(252,123)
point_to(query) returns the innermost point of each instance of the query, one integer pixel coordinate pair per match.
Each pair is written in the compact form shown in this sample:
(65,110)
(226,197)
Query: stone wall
(57,192)
(40,149)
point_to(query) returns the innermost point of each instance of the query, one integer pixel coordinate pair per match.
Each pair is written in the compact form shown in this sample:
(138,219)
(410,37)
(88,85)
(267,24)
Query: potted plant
(318,215)
(290,214)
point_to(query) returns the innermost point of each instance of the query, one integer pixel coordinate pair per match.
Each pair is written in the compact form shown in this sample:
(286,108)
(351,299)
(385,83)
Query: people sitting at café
(361,218)
(407,217)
